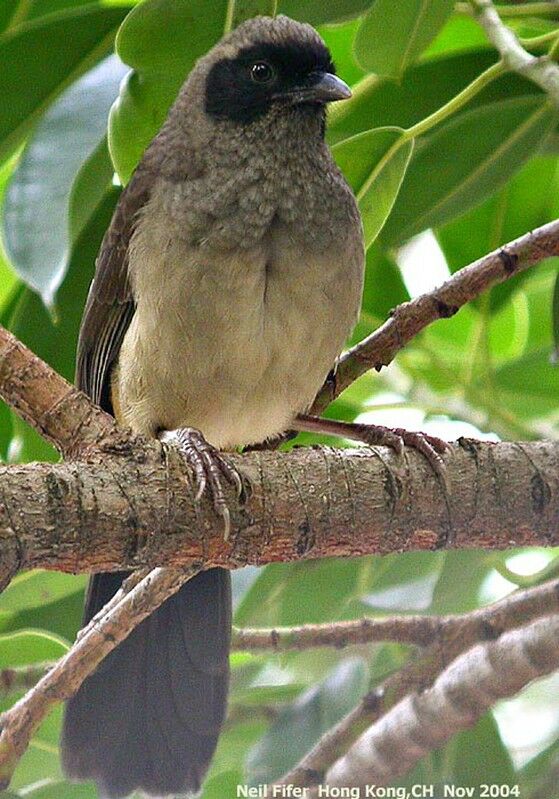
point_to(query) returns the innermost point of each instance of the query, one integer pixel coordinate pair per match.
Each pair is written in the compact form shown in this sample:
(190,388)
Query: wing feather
(110,304)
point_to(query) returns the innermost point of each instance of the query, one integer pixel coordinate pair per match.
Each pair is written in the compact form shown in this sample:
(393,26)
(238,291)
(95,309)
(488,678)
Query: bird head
(264,70)
(267,63)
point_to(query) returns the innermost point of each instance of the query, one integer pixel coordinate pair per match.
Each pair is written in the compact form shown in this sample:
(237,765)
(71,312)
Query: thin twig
(426,719)
(421,631)
(410,318)
(20,722)
(540,70)
(488,623)
(20,678)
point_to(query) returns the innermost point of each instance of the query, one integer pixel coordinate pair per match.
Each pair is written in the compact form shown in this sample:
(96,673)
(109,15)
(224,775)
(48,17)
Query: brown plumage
(226,286)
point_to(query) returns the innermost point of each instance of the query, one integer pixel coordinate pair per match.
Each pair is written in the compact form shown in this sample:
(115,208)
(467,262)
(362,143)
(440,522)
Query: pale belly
(235,347)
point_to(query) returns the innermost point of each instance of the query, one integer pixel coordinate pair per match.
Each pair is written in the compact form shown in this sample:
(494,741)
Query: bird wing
(110,304)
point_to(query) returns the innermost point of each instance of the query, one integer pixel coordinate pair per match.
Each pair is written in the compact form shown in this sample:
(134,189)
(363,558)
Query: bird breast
(233,341)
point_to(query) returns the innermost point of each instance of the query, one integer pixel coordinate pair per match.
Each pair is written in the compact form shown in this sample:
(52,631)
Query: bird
(226,285)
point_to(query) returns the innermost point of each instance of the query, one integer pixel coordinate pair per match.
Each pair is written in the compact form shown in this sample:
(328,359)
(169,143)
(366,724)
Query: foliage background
(478,173)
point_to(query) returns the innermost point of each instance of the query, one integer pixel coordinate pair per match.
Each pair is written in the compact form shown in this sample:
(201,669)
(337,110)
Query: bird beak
(325,88)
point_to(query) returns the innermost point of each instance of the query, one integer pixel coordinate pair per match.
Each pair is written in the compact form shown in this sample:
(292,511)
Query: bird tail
(149,717)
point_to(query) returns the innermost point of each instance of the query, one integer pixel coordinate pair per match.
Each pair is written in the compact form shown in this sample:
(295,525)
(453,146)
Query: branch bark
(485,624)
(121,502)
(137,508)
(540,70)
(410,318)
(425,720)
(514,610)
(57,410)
(128,609)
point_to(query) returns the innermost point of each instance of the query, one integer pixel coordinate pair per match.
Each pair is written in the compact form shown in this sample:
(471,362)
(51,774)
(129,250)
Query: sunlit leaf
(35,588)
(30,646)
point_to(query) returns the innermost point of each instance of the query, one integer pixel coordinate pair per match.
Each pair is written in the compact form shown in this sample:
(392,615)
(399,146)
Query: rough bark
(136,508)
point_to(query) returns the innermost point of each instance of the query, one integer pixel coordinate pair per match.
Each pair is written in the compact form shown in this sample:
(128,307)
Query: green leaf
(62,790)
(318,12)
(38,764)
(241,10)
(299,593)
(30,646)
(35,218)
(538,776)
(36,588)
(423,89)
(390,39)
(300,725)
(40,61)
(225,784)
(529,385)
(339,40)
(407,583)
(62,617)
(55,341)
(15,14)
(475,153)
(374,163)
(480,756)
(91,186)
(161,40)
(384,288)
(503,217)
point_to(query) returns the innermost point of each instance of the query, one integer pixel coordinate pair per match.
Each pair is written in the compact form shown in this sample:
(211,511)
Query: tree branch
(477,625)
(410,318)
(21,678)
(540,70)
(484,624)
(129,503)
(128,609)
(425,720)
(57,410)
(139,510)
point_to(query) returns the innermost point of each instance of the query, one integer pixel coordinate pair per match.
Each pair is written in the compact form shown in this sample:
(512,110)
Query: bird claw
(431,447)
(209,467)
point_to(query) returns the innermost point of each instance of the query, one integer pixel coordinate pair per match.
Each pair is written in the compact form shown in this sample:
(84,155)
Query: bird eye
(261,72)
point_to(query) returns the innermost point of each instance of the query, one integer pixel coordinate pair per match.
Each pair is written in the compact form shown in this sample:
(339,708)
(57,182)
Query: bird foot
(209,467)
(431,447)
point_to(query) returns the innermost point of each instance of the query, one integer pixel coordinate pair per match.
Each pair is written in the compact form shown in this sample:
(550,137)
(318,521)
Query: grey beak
(325,89)
(328,88)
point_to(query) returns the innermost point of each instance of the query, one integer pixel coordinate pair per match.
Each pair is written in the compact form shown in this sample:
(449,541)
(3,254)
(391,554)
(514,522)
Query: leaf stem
(458,101)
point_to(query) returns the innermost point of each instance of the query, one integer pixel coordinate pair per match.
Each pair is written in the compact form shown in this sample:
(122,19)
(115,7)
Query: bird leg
(209,466)
(396,438)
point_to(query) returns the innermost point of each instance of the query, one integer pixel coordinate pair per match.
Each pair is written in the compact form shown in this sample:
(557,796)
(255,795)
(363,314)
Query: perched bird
(226,285)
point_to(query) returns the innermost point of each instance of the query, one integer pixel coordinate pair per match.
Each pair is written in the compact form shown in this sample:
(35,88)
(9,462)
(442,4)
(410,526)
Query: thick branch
(137,509)
(425,720)
(410,318)
(540,70)
(101,636)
